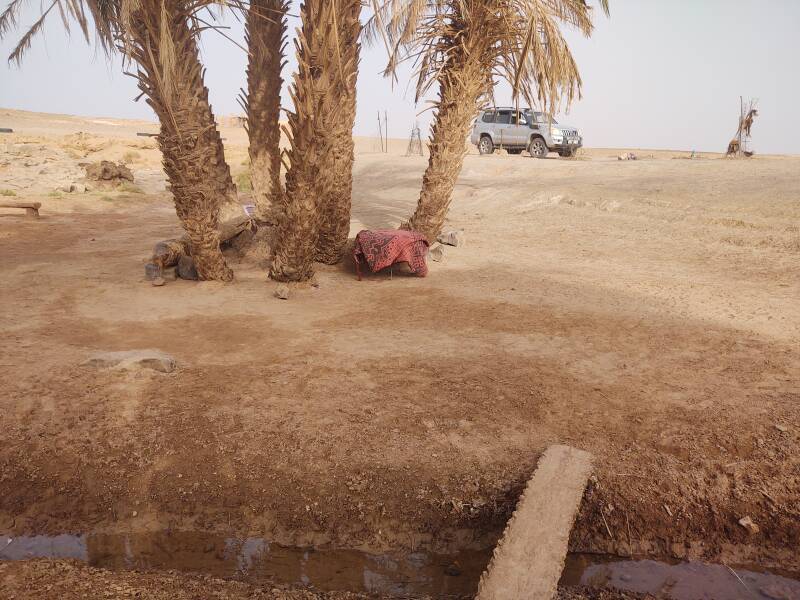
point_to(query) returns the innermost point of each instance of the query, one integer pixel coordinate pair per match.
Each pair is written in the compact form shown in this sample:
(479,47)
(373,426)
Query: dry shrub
(130,188)
(243,182)
(131,156)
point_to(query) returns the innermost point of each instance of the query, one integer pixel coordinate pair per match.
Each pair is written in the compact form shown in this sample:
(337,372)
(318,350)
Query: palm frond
(25,42)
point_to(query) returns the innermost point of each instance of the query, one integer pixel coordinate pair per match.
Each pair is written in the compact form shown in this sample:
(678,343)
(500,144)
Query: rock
(452,238)
(134,513)
(152,271)
(169,273)
(437,253)
(186,268)
(781,428)
(158,281)
(132,360)
(627,156)
(748,524)
(109,172)
(501,152)
(526,154)
(282,292)
(66,188)
(241,242)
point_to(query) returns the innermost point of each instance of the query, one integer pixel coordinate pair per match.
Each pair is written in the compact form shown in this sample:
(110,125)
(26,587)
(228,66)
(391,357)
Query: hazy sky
(657,74)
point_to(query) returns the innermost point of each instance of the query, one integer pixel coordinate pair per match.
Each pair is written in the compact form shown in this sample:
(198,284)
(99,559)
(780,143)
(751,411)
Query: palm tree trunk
(265,32)
(336,204)
(462,82)
(171,76)
(314,93)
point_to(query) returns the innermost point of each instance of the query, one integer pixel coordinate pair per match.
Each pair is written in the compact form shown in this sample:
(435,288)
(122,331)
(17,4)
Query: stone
(186,268)
(169,273)
(282,292)
(109,172)
(529,558)
(134,360)
(454,237)
(152,271)
(781,428)
(749,525)
(158,281)
(437,253)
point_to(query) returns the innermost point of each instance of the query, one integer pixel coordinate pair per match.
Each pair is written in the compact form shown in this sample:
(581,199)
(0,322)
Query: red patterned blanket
(384,247)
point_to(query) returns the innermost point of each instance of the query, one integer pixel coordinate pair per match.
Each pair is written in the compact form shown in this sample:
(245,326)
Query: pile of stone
(108,174)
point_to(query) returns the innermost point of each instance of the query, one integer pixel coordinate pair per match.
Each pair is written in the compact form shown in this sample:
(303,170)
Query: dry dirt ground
(646,311)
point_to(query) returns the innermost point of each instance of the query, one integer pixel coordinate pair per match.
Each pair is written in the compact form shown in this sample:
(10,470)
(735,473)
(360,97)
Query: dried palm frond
(522,41)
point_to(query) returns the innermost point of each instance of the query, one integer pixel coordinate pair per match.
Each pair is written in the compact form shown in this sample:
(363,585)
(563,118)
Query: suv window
(519,118)
(503,117)
(488,116)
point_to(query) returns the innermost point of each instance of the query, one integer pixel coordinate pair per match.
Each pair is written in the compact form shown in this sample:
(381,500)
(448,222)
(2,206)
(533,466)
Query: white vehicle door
(518,130)
(503,134)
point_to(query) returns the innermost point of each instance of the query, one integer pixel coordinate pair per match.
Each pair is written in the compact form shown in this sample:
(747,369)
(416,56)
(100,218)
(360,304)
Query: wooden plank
(31,208)
(6,130)
(36,205)
(529,559)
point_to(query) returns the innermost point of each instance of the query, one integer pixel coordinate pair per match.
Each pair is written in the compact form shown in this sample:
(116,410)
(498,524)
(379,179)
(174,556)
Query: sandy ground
(645,311)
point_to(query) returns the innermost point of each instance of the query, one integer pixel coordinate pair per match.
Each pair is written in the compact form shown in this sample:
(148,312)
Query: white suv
(524,129)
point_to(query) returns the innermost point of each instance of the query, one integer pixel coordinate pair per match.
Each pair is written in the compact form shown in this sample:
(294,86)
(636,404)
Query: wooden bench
(31,208)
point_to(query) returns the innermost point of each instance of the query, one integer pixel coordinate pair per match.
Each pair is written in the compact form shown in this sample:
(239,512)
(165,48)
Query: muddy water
(679,581)
(411,574)
(259,561)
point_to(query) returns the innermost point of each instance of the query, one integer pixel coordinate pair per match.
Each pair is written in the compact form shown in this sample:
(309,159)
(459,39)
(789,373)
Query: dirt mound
(108,173)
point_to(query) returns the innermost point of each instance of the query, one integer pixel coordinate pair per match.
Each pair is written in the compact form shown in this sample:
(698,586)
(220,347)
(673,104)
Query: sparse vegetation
(8,193)
(243,182)
(130,188)
(131,156)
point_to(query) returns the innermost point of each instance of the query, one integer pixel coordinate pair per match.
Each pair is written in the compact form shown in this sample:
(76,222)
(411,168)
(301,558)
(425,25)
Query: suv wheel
(538,148)
(485,145)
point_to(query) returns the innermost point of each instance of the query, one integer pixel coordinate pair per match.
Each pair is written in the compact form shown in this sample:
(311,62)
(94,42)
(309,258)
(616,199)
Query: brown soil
(69,580)
(645,311)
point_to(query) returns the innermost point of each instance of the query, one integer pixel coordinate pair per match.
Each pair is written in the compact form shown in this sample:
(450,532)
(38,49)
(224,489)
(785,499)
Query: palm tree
(463,45)
(316,200)
(336,203)
(160,37)
(265,33)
